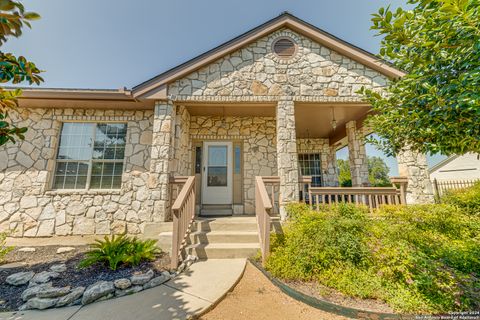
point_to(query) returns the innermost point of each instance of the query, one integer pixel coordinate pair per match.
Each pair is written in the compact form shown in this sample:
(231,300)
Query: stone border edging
(329,306)
(216,302)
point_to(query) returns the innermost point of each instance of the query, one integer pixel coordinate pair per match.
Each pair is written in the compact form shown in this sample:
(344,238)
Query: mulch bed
(46,256)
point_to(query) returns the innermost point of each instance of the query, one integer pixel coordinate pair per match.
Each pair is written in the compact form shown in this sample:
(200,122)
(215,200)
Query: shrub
(4,249)
(423,258)
(120,250)
(467,199)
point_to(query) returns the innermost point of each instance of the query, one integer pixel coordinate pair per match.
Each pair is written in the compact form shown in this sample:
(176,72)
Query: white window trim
(90,162)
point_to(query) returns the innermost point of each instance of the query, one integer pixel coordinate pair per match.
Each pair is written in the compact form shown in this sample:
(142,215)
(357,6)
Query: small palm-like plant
(141,251)
(120,250)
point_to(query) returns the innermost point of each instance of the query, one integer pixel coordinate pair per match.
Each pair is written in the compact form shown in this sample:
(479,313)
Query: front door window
(217,166)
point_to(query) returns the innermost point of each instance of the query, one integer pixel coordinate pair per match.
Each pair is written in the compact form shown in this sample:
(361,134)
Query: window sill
(82,192)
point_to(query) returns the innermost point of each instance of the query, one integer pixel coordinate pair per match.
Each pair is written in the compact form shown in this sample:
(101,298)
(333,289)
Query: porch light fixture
(333,122)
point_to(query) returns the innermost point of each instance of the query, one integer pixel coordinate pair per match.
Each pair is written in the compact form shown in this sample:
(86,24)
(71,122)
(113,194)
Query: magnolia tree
(435,107)
(13,69)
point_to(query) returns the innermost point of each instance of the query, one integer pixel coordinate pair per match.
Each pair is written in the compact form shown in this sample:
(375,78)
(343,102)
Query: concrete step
(224,237)
(223,250)
(226,224)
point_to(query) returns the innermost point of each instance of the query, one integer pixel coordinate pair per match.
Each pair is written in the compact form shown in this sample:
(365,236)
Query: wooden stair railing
(263,208)
(183,210)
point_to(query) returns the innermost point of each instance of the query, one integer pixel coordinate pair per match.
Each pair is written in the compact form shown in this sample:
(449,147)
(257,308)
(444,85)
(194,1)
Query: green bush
(467,199)
(423,258)
(4,249)
(118,250)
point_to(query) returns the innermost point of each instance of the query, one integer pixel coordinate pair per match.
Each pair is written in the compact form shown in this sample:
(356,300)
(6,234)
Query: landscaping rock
(141,279)
(43,277)
(122,284)
(65,249)
(27,249)
(40,303)
(131,290)
(97,290)
(157,281)
(58,267)
(34,290)
(71,298)
(20,278)
(53,292)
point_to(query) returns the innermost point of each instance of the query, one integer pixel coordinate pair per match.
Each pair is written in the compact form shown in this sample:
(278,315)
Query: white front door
(217,179)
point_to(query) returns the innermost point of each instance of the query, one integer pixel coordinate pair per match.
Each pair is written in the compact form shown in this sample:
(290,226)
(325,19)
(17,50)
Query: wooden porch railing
(263,210)
(440,186)
(183,210)
(266,200)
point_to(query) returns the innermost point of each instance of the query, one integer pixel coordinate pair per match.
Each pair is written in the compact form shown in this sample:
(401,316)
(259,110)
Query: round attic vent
(284,48)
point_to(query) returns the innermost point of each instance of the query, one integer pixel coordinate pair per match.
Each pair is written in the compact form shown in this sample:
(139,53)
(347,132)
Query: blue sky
(117,43)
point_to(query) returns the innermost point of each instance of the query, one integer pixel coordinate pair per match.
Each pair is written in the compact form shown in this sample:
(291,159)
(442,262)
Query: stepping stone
(65,249)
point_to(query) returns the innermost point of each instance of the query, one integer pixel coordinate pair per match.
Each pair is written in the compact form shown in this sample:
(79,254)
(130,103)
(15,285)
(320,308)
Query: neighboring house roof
(285,20)
(442,163)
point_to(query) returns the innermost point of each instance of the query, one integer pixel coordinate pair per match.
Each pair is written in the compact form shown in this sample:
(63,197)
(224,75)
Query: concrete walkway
(192,293)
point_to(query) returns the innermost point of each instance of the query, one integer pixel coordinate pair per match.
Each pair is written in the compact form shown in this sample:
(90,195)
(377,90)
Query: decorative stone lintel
(272,99)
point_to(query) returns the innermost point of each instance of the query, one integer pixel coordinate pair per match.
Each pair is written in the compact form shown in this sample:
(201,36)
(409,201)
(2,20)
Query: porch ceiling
(315,120)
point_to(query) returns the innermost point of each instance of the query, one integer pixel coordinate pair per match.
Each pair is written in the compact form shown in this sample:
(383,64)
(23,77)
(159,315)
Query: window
(310,165)
(90,156)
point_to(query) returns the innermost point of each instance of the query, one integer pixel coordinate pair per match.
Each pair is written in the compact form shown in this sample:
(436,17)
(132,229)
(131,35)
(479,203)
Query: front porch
(226,145)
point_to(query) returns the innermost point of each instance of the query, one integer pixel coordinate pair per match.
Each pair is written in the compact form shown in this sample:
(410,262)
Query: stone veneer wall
(414,166)
(182,156)
(357,155)
(28,208)
(259,145)
(315,71)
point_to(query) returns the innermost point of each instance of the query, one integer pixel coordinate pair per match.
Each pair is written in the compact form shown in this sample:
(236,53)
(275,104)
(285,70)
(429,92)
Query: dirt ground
(255,297)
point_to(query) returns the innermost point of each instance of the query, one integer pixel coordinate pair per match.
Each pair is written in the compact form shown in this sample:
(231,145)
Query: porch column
(287,155)
(329,166)
(357,155)
(413,165)
(162,153)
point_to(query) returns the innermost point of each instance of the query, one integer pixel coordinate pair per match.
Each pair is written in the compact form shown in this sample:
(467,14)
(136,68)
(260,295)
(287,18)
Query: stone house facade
(279,100)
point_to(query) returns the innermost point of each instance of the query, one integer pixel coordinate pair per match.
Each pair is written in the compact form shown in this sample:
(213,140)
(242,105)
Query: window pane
(110,141)
(217,155)
(106,175)
(217,177)
(238,157)
(75,141)
(117,182)
(70,175)
(95,182)
(198,159)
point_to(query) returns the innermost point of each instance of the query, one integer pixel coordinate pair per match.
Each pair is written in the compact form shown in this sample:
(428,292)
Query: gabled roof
(285,20)
(443,163)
